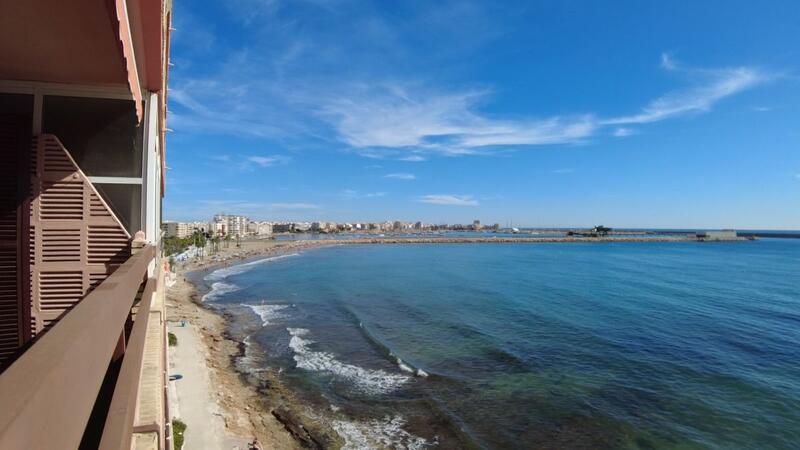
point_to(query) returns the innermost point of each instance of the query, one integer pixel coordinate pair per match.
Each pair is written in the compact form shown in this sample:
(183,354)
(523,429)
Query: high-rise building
(175,229)
(234,225)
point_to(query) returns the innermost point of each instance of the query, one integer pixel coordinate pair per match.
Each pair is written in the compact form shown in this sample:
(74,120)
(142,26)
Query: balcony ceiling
(94,42)
(73,41)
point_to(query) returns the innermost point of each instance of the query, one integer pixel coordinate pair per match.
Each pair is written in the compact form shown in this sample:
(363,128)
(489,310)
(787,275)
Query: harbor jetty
(521,239)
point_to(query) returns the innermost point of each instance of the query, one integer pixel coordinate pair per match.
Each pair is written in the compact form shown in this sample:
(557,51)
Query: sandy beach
(221,407)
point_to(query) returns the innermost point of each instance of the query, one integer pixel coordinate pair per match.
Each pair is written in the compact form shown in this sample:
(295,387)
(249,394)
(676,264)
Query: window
(126,202)
(101,134)
(104,138)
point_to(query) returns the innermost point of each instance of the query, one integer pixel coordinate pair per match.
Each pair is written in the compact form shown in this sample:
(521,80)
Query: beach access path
(195,403)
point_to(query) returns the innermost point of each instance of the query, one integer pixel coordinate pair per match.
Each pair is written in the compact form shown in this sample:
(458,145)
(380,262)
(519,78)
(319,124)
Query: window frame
(41,89)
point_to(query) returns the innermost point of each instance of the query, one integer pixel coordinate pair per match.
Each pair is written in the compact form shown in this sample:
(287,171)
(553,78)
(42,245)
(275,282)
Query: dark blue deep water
(619,345)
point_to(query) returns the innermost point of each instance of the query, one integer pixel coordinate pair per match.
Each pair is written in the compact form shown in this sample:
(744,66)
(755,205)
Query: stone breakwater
(513,240)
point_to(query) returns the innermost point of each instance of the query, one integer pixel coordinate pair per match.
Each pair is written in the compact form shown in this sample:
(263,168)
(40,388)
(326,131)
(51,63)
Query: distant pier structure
(719,235)
(598,231)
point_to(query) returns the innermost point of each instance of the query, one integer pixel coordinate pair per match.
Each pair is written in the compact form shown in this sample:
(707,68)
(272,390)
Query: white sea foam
(268,313)
(247,362)
(225,272)
(218,289)
(367,380)
(404,367)
(384,433)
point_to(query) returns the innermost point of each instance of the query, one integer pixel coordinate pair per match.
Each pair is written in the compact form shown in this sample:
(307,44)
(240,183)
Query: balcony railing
(78,383)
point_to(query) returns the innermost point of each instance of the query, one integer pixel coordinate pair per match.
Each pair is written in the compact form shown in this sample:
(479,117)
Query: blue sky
(544,113)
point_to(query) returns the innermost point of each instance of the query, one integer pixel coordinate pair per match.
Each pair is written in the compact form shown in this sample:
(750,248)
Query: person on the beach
(255,445)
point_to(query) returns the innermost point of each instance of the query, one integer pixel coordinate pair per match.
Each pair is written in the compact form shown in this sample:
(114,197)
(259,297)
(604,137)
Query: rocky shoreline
(252,404)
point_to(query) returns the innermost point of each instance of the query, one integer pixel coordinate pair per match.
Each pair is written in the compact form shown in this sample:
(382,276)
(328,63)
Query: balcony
(82,316)
(98,377)
(82,334)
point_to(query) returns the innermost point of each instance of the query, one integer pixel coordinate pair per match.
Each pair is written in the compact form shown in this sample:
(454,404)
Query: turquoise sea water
(621,345)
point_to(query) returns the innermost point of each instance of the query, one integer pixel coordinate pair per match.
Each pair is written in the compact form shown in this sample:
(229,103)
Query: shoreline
(260,404)
(250,404)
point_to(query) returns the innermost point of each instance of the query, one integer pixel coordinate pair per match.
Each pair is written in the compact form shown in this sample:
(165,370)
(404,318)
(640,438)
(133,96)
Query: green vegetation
(215,244)
(174,245)
(173,340)
(178,429)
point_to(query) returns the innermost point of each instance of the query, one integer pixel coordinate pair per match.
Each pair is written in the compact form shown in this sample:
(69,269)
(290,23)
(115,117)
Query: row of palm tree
(226,240)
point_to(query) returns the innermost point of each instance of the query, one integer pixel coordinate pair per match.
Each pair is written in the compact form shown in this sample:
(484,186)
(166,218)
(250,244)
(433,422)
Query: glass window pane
(126,202)
(17,104)
(101,134)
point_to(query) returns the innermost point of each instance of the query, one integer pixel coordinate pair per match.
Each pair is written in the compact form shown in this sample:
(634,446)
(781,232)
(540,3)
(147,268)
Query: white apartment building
(175,229)
(263,228)
(234,225)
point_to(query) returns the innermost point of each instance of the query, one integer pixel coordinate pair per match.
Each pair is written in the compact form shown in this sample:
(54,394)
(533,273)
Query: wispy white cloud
(291,206)
(563,171)
(709,87)
(450,200)
(410,120)
(413,158)
(396,117)
(221,158)
(352,194)
(762,109)
(623,132)
(401,121)
(246,163)
(237,103)
(401,176)
(268,161)
(667,62)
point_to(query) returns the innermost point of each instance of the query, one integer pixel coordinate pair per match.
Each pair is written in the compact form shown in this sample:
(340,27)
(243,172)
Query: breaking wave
(225,272)
(268,313)
(405,367)
(219,289)
(367,380)
(378,433)
(248,362)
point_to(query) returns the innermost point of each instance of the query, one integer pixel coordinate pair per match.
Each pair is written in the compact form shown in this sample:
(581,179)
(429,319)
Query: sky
(538,113)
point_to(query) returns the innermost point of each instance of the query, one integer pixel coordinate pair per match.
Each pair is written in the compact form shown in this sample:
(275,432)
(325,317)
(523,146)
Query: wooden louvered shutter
(78,241)
(14,274)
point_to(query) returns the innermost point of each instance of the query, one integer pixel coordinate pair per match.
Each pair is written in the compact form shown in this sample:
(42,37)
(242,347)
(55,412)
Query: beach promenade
(196,404)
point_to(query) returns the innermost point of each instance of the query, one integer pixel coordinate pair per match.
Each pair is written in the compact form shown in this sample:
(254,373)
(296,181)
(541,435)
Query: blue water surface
(581,345)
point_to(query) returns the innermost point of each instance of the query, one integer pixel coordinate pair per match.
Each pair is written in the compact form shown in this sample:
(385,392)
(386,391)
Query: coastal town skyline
(658,121)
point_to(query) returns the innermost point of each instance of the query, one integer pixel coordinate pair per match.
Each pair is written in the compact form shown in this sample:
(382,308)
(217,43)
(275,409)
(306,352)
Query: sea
(621,345)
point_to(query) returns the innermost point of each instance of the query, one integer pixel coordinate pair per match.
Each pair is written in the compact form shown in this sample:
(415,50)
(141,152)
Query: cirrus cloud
(401,176)
(709,87)
(449,200)
(268,161)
